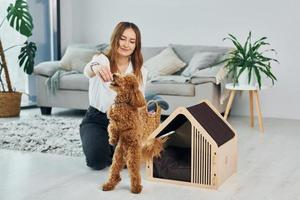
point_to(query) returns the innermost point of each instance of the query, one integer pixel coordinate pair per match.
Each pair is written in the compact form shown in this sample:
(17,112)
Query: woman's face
(127,43)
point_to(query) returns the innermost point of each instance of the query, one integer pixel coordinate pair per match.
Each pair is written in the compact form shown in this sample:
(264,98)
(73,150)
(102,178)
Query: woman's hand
(103,71)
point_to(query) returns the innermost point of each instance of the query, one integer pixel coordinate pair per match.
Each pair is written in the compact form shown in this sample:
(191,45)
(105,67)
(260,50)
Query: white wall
(202,22)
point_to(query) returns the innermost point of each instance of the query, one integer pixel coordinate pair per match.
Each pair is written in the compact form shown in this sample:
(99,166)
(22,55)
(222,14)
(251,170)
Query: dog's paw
(108,186)
(113,141)
(136,189)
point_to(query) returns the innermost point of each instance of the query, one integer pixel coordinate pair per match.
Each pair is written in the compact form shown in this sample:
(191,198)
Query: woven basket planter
(10,104)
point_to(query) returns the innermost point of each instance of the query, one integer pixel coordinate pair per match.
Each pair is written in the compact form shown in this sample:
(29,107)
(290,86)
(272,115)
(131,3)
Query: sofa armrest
(47,68)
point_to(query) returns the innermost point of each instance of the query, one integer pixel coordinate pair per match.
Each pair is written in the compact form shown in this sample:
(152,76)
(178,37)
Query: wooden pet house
(201,149)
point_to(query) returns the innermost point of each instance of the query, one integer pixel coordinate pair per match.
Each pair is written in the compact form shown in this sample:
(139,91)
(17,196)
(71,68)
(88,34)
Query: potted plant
(20,19)
(249,61)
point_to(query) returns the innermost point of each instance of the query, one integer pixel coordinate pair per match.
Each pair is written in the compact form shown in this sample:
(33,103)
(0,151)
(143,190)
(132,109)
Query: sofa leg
(46,110)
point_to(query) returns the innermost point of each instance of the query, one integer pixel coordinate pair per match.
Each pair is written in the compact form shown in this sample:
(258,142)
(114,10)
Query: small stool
(253,91)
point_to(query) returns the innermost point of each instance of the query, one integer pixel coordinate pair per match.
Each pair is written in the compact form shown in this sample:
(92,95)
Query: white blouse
(101,96)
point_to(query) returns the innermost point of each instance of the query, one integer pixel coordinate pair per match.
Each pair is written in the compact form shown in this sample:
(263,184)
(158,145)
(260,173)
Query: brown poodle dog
(125,131)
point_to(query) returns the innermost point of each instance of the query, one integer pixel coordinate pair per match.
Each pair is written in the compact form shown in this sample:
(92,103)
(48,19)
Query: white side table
(253,91)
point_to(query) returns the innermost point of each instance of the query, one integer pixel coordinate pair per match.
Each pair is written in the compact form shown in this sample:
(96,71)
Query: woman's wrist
(92,65)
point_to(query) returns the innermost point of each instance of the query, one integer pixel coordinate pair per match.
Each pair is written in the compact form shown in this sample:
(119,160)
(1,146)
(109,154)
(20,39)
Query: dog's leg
(133,165)
(117,165)
(113,135)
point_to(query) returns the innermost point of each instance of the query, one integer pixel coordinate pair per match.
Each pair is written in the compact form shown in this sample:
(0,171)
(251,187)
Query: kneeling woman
(124,56)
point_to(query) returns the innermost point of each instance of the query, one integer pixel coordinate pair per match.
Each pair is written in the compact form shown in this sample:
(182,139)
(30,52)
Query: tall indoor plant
(250,59)
(19,18)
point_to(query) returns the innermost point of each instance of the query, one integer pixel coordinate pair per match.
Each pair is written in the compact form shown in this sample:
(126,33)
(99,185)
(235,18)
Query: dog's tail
(152,148)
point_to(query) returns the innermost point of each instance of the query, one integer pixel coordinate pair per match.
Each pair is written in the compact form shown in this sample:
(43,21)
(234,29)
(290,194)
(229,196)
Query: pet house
(201,149)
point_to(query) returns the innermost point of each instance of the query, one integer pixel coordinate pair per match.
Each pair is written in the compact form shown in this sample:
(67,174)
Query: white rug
(46,134)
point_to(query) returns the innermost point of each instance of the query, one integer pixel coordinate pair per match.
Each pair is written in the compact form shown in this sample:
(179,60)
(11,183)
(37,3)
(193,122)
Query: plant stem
(12,47)
(1,81)
(5,67)
(2,21)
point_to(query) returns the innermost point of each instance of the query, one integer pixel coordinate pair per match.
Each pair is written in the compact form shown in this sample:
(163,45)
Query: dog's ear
(137,99)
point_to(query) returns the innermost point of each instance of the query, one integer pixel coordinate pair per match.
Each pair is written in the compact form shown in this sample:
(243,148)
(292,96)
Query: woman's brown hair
(136,57)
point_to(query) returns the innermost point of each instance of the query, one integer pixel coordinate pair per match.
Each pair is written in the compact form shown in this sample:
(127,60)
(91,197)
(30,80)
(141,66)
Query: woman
(123,57)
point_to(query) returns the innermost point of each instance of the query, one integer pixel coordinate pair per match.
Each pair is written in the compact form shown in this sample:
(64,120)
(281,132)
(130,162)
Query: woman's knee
(97,160)
(94,139)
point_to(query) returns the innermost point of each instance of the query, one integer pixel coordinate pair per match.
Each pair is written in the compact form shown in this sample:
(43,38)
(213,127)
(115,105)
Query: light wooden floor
(268,168)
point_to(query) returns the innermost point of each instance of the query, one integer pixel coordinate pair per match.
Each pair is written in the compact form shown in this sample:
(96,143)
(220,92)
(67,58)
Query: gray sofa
(73,88)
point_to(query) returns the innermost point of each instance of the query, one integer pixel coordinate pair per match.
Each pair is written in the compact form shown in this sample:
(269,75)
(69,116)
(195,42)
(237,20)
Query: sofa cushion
(47,68)
(149,52)
(165,63)
(217,73)
(201,60)
(186,52)
(74,82)
(75,58)
(178,89)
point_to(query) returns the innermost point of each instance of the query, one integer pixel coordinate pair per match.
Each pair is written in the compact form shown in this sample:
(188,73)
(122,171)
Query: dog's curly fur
(125,131)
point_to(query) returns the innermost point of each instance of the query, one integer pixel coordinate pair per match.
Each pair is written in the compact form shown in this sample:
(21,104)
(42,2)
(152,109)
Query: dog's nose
(116,75)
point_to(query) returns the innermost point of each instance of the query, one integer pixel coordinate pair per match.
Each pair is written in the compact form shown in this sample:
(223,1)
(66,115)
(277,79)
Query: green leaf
(250,74)
(222,61)
(265,59)
(26,57)
(19,17)
(242,69)
(260,40)
(246,43)
(236,44)
(269,74)
(258,77)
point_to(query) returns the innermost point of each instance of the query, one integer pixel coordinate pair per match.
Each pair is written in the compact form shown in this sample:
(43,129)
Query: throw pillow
(165,63)
(200,60)
(76,58)
(217,72)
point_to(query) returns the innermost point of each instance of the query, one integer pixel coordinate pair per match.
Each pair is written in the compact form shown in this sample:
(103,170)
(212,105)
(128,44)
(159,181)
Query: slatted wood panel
(201,159)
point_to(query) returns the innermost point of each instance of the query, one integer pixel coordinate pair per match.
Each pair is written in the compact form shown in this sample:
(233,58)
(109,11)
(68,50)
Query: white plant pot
(243,78)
